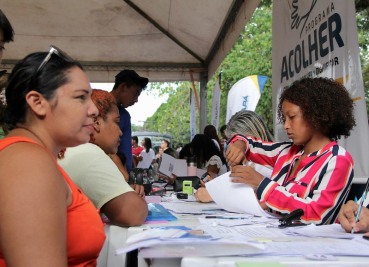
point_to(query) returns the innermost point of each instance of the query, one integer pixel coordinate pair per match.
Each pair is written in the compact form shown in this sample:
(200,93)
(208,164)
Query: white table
(116,237)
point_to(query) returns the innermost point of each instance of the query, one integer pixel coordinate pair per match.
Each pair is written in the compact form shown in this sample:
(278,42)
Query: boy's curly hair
(325,104)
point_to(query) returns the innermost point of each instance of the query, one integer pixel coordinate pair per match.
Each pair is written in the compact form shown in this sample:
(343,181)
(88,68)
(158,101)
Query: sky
(144,108)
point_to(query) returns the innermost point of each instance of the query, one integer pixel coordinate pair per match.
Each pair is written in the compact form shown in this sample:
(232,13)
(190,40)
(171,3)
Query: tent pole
(203,100)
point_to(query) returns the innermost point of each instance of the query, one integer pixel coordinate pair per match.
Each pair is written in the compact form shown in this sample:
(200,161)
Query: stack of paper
(163,243)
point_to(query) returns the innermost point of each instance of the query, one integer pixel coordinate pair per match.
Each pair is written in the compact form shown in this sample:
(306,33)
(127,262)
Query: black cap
(131,76)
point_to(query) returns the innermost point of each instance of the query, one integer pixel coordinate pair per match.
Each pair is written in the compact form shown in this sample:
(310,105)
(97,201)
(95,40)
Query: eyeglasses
(53,50)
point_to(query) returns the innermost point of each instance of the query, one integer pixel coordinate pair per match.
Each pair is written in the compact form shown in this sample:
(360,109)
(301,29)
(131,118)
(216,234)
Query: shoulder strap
(7,141)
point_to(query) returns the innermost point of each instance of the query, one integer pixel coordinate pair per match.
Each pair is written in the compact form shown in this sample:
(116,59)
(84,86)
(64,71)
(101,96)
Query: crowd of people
(68,154)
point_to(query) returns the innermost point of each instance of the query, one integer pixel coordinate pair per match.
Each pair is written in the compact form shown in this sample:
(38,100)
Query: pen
(226,218)
(361,203)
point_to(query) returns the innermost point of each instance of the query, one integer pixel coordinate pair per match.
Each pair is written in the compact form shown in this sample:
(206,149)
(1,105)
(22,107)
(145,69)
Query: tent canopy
(164,40)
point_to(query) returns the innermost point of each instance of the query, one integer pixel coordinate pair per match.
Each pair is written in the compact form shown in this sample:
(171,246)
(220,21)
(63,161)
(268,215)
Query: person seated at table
(45,220)
(311,172)
(207,155)
(147,155)
(136,150)
(211,131)
(96,174)
(247,123)
(347,216)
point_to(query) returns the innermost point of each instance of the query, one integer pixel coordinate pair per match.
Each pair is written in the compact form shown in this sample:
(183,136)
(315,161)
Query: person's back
(147,155)
(207,154)
(211,132)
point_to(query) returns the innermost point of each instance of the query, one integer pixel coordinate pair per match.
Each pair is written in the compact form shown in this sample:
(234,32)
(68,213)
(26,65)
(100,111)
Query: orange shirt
(85,230)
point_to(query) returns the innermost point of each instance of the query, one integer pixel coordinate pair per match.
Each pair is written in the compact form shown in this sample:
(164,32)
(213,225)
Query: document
(312,230)
(170,165)
(162,243)
(191,207)
(234,197)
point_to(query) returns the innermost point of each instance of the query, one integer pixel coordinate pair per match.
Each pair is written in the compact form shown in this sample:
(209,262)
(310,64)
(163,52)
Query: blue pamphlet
(158,213)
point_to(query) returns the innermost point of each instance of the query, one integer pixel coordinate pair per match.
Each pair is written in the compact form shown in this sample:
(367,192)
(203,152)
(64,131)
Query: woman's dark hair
(25,78)
(135,138)
(171,152)
(211,131)
(185,152)
(6,27)
(203,148)
(325,104)
(147,144)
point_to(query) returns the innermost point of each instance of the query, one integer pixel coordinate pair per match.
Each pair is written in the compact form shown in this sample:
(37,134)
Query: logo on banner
(245,94)
(323,35)
(300,15)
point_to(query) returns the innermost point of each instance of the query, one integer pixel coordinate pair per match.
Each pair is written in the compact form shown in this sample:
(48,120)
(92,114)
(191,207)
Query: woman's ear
(37,103)
(97,124)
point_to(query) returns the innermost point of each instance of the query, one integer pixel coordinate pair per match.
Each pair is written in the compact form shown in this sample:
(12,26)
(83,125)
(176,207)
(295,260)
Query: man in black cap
(127,88)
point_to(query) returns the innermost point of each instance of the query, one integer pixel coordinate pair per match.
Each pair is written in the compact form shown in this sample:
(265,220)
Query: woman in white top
(147,156)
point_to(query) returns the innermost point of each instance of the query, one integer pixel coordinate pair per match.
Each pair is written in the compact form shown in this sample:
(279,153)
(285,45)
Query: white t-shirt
(94,173)
(147,158)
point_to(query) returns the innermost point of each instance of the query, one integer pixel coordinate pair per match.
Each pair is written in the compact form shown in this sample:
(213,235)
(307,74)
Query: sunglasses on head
(52,51)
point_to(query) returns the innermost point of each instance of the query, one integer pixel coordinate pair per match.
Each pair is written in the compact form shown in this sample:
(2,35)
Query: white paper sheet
(191,207)
(330,230)
(234,197)
(170,165)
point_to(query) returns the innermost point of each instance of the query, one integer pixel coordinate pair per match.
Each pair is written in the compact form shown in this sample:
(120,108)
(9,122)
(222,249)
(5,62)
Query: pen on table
(363,197)
(226,218)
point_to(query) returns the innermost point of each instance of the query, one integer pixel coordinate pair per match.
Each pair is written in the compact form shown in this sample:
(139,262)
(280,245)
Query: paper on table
(170,165)
(246,233)
(202,248)
(330,230)
(191,207)
(234,197)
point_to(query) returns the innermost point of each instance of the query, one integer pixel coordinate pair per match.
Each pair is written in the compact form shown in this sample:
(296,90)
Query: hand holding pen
(353,218)
(360,208)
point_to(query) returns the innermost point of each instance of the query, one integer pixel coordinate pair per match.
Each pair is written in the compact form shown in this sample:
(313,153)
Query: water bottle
(191,166)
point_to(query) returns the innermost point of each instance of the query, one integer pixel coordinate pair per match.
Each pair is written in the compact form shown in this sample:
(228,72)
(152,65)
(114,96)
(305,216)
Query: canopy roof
(164,40)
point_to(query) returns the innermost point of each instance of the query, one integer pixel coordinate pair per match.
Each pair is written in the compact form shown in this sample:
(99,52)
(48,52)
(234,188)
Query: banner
(215,105)
(192,114)
(319,39)
(245,94)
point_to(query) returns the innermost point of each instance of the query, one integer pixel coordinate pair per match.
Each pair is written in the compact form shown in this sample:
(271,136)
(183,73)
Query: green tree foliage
(251,55)
(174,116)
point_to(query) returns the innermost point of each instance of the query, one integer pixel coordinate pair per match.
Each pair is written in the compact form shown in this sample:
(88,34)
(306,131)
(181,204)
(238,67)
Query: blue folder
(158,213)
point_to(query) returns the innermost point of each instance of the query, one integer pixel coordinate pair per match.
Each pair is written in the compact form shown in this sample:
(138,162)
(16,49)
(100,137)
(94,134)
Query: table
(116,237)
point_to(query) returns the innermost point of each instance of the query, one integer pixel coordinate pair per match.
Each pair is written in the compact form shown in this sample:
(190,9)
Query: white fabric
(215,160)
(215,105)
(94,173)
(192,116)
(147,158)
(244,95)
